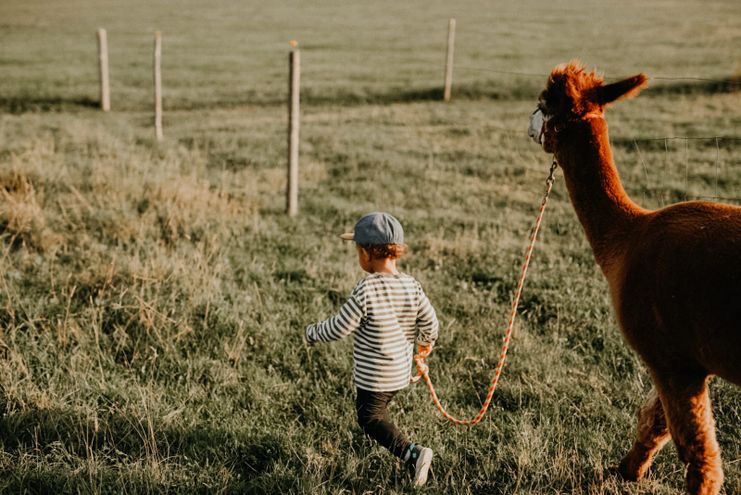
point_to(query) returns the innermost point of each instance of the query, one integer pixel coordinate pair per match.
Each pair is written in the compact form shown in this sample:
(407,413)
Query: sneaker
(419,463)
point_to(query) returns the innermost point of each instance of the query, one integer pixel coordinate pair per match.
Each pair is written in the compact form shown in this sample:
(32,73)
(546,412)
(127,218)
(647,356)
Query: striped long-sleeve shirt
(387,314)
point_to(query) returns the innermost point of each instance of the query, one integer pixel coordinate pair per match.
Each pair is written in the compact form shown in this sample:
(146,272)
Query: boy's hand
(424,350)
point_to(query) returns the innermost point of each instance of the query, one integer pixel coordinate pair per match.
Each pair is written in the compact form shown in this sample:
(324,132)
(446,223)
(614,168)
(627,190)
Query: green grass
(153,297)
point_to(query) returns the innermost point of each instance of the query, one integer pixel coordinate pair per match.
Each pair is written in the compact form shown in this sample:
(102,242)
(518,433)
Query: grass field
(153,296)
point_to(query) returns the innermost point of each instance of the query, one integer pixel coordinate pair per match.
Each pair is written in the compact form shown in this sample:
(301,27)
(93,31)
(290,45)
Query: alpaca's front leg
(652,435)
(690,417)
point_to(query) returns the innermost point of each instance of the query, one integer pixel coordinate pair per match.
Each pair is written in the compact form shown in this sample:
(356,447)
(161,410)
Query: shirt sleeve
(427,324)
(343,323)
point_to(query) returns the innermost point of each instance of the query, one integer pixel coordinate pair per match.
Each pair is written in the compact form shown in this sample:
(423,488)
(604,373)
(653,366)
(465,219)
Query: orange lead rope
(424,351)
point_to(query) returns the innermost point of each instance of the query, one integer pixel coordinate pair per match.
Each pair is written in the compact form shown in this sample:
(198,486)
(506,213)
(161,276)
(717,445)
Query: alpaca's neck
(604,209)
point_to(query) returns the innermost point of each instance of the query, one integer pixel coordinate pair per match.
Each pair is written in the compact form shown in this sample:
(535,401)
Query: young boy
(388,312)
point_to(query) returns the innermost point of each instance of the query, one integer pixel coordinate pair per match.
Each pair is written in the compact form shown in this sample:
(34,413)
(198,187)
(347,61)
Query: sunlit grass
(153,296)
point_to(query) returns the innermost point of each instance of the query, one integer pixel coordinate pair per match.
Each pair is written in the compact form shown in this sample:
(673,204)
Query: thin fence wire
(729,81)
(647,192)
(693,138)
(716,196)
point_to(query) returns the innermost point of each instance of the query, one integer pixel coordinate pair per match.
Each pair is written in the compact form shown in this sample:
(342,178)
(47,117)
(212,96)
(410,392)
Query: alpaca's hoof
(704,480)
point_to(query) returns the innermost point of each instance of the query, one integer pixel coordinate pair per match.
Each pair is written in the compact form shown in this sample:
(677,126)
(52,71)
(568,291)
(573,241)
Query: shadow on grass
(120,440)
(701,87)
(60,479)
(511,90)
(370,96)
(26,104)
(482,90)
(342,96)
(346,97)
(524,89)
(357,96)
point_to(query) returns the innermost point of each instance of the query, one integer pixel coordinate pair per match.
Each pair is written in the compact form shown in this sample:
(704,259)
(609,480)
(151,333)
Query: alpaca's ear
(621,89)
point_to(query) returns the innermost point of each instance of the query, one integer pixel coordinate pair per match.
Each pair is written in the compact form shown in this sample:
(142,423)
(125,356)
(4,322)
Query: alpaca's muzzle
(537,126)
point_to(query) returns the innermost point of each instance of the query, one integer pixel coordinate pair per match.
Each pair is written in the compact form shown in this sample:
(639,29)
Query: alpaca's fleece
(674,276)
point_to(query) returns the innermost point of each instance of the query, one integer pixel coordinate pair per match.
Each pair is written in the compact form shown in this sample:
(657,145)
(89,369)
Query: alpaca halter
(536,129)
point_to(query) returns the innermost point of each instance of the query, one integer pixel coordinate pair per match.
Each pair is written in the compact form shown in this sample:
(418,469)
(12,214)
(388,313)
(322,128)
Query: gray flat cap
(376,228)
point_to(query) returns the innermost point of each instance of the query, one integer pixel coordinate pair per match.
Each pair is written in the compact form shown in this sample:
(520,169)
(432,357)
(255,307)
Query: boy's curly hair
(383,251)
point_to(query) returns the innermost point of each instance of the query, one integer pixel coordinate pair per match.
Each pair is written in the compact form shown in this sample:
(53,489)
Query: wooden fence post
(158,85)
(105,95)
(449,59)
(294,81)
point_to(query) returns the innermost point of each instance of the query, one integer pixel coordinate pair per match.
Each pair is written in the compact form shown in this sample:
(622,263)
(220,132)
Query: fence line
(729,81)
(292,206)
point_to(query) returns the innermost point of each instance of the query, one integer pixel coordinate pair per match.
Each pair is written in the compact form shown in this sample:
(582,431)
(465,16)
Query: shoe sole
(422,468)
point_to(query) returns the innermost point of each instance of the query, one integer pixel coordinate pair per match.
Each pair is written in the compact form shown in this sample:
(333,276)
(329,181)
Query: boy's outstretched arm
(340,325)
(427,324)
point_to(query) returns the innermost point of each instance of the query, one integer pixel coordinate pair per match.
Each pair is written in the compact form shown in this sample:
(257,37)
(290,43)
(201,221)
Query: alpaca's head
(572,95)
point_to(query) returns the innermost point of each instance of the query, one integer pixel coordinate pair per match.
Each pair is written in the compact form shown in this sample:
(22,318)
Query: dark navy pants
(373,417)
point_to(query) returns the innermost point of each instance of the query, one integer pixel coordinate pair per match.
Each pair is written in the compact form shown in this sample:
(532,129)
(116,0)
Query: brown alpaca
(674,276)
